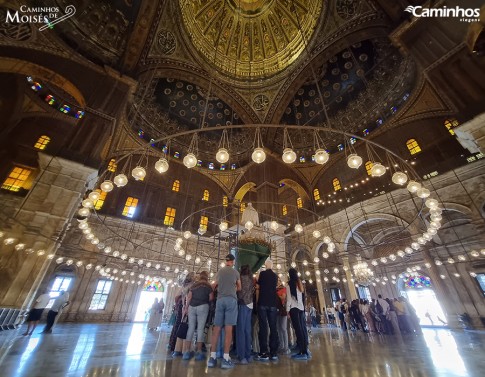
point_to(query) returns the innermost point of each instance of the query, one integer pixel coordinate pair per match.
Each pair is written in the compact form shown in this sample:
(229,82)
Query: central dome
(250,38)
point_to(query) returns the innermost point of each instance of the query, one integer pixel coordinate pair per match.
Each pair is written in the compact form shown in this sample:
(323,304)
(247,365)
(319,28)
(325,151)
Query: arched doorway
(418,289)
(151,290)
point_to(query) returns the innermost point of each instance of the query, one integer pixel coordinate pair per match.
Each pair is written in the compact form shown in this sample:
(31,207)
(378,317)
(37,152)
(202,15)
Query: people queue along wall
(239,313)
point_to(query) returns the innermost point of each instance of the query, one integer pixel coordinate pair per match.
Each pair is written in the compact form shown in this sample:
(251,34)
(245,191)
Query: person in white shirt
(36,313)
(296,309)
(60,303)
(383,313)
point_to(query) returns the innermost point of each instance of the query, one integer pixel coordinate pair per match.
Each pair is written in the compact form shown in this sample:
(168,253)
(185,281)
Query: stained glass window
(42,142)
(336,184)
(153,286)
(204,221)
(130,207)
(299,203)
(284,210)
(418,281)
(112,165)
(17,179)
(450,124)
(176,185)
(102,197)
(169,216)
(242,207)
(368,167)
(413,146)
(316,194)
(225,201)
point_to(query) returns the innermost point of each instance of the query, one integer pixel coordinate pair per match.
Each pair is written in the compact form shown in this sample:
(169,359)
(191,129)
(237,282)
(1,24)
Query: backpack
(379,308)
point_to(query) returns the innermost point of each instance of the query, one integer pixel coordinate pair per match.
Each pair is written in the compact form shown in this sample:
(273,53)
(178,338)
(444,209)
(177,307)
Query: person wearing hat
(228,282)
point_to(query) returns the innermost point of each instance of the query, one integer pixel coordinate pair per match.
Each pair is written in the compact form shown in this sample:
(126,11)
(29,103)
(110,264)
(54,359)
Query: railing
(10,319)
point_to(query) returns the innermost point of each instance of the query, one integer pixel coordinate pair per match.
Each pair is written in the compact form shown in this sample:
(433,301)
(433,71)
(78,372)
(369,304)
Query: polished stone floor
(129,350)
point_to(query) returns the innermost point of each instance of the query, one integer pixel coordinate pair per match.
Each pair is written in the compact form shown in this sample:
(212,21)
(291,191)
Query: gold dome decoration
(254,38)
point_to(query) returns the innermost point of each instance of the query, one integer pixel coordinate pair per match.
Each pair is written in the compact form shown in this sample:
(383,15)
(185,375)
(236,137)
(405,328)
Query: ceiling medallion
(260,102)
(166,42)
(254,38)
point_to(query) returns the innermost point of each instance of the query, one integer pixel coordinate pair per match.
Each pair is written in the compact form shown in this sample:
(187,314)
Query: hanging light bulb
(249,225)
(190,161)
(84,212)
(202,231)
(325,255)
(423,193)
(327,239)
(408,250)
(106,186)
(222,155)
(431,203)
(413,186)
(321,156)
(121,180)
(83,226)
(377,170)
(139,173)
(427,236)
(436,218)
(316,234)
(223,226)
(179,241)
(274,225)
(298,228)
(94,195)
(258,155)
(316,259)
(187,234)
(436,211)
(87,203)
(289,156)
(435,225)
(354,161)
(177,247)
(421,240)
(399,178)
(161,165)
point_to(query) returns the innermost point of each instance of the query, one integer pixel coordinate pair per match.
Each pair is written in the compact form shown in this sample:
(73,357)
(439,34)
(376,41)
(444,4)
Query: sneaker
(309,354)
(249,359)
(187,356)
(262,357)
(211,363)
(300,356)
(199,356)
(244,362)
(176,354)
(227,364)
(273,357)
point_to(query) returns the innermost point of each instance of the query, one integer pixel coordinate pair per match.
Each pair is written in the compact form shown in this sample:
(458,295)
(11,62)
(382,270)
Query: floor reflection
(130,350)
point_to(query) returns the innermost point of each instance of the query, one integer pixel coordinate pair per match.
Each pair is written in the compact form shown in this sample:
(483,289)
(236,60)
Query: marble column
(348,275)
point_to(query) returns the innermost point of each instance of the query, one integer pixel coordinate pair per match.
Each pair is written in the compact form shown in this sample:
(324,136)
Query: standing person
(60,303)
(282,321)
(367,313)
(337,313)
(295,307)
(382,309)
(178,308)
(228,282)
(154,319)
(198,298)
(343,313)
(244,338)
(402,315)
(313,315)
(392,317)
(267,313)
(36,312)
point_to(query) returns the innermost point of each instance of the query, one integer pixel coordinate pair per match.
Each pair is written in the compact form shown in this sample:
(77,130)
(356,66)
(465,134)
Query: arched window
(169,216)
(205,197)
(316,194)
(225,201)
(368,167)
(284,210)
(204,221)
(336,185)
(17,179)
(299,203)
(102,197)
(450,124)
(130,207)
(242,207)
(176,185)
(112,165)
(42,142)
(413,146)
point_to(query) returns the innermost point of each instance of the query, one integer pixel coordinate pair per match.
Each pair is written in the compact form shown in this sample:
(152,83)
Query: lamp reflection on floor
(444,353)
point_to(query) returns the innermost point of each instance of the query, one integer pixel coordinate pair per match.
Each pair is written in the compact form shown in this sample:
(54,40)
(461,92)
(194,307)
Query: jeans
(244,332)
(298,321)
(197,316)
(51,317)
(342,320)
(267,315)
(283,331)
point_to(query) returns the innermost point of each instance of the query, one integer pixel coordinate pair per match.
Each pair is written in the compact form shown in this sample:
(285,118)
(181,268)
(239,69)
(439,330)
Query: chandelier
(363,275)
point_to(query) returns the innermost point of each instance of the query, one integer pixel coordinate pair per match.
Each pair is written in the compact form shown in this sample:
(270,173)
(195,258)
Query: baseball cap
(229,257)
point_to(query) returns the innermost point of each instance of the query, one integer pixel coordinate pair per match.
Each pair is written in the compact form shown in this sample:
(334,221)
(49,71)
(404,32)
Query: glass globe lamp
(274,225)
(431,203)
(187,234)
(106,186)
(289,156)
(354,161)
(139,173)
(249,225)
(190,161)
(321,156)
(377,170)
(399,178)
(423,193)
(94,195)
(87,203)
(258,155)
(298,228)
(223,226)
(84,212)
(222,155)
(120,180)
(316,234)
(413,186)
(161,165)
